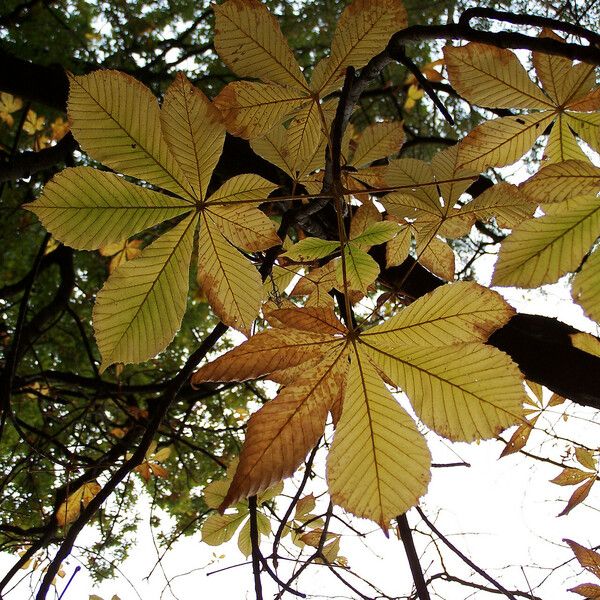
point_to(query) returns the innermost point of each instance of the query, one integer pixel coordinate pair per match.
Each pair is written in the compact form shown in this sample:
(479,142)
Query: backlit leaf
(586,458)
(194,130)
(561,181)
(363,31)
(218,529)
(585,287)
(588,559)
(86,208)
(571,476)
(541,250)
(378,464)
(578,496)
(285,429)
(586,342)
(232,285)
(502,141)
(251,109)
(492,77)
(249,40)
(140,308)
(116,120)
(459,312)
(465,392)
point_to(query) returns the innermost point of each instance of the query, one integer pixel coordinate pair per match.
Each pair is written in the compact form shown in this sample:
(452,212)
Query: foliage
(321,198)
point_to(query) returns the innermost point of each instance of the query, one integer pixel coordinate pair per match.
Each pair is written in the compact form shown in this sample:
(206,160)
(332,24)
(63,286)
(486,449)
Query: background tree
(64,423)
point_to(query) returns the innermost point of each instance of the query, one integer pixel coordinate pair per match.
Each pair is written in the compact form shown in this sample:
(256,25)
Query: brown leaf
(589,590)
(284,430)
(315,319)
(571,476)
(519,438)
(588,559)
(263,354)
(578,496)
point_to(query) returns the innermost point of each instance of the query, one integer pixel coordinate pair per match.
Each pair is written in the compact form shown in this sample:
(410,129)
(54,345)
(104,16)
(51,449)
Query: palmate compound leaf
(494,77)
(250,42)
(426,349)
(117,121)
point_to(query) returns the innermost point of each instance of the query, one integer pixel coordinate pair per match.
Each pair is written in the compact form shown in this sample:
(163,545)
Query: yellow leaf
(586,342)
(578,496)
(249,40)
(558,182)
(586,286)
(379,464)
(503,201)
(305,133)
(377,141)
(33,123)
(586,458)
(465,392)
(245,226)
(140,308)
(232,285)
(263,526)
(397,249)
(69,510)
(502,141)
(586,126)
(541,250)
(218,529)
(215,492)
(363,31)
(562,145)
(437,257)
(460,312)
(86,208)
(127,115)
(361,270)
(492,77)
(552,71)
(194,131)
(10,103)
(252,109)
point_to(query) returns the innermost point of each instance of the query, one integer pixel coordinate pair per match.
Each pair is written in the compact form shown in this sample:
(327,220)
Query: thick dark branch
(541,346)
(29,162)
(38,83)
(413,557)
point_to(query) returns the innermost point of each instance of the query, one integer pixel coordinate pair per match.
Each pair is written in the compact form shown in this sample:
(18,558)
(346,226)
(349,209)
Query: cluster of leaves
(155,206)
(328,367)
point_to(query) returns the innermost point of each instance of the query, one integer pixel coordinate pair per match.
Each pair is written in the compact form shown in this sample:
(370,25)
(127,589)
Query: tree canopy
(198,198)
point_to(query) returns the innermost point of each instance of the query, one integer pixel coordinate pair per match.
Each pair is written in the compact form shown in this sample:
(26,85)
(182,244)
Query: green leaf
(361,269)
(377,233)
(311,249)
(140,308)
(85,208)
